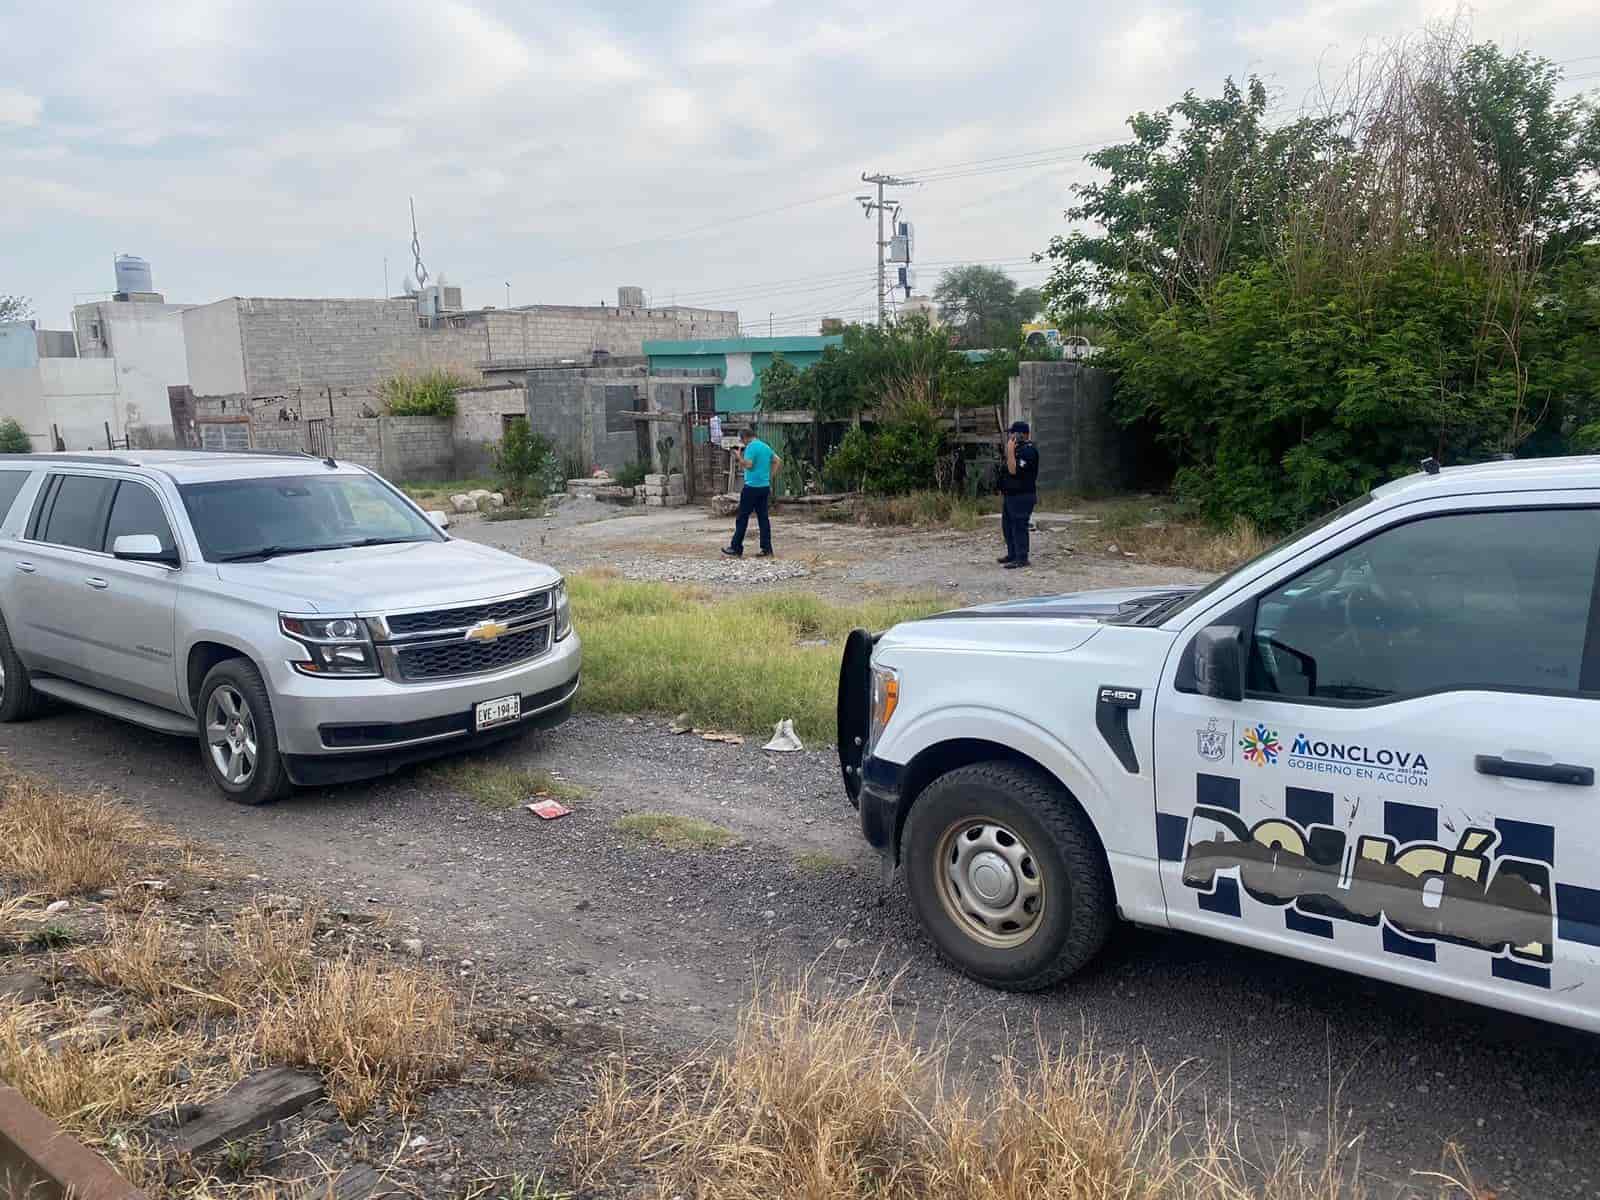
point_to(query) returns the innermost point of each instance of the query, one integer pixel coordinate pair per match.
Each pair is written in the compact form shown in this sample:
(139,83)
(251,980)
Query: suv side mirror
(142,547)
(1219,662)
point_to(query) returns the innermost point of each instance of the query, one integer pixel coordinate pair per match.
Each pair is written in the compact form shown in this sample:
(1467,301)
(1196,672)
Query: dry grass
(942,510)
(825,1094)
(1155,532)
(675,832)
(500,785)
(194,1004)
(63,845)
(376,1032)
(101,1088)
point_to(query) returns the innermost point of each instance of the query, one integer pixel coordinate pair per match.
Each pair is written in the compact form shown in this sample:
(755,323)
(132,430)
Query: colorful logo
(1260,745)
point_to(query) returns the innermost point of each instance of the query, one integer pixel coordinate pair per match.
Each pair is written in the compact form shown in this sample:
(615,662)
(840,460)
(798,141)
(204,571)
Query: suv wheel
(18,700)
(238,740)
(1006,876)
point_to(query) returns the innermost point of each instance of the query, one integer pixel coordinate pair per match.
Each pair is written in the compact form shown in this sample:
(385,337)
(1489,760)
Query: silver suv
(302,618)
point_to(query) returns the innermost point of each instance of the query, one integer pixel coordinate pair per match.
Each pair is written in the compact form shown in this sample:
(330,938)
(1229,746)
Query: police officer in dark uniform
(1019,485)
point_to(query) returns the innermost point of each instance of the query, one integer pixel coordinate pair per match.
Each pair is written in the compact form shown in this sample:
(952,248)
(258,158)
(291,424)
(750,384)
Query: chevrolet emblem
(487,631)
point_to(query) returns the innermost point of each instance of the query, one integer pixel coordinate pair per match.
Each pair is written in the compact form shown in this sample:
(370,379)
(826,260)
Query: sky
(709,152)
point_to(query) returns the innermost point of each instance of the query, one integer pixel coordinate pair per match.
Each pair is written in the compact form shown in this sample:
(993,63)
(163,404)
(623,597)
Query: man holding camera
(1019,485)
(761,467)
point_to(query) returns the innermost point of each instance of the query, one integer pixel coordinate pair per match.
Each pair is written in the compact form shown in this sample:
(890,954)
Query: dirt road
(573,914)
(839,562)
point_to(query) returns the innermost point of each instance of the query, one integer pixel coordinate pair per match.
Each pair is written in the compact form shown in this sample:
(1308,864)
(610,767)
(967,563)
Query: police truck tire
(1007,876)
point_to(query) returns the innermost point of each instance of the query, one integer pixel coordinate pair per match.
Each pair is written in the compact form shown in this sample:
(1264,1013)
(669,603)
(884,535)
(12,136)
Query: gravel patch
(747,571)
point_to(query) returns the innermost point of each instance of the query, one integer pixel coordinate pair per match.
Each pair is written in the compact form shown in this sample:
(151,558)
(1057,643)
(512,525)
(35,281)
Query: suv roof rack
(115,460)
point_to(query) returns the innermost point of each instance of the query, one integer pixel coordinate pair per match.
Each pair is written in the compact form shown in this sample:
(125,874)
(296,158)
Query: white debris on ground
(722,569)
(784,739)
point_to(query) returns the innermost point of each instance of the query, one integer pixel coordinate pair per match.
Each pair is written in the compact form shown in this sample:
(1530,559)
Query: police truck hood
(1037,625)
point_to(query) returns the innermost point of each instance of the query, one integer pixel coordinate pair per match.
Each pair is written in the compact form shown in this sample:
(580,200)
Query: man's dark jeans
(753,500)
(1014,516)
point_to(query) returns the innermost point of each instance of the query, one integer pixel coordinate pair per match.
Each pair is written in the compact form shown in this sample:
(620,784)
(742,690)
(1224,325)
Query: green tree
(15,308)
(1297,314)
(782,386)
(984,306)
(13,438)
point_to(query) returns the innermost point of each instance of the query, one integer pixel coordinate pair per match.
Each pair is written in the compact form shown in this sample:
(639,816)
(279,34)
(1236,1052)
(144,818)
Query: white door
(1406,787)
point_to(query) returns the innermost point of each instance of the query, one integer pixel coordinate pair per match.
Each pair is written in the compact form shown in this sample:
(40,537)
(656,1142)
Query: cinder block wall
(479,421)
(568,406)
(402,449)
(1082,448)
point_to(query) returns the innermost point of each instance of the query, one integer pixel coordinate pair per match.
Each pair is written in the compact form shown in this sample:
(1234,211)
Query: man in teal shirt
(761,466)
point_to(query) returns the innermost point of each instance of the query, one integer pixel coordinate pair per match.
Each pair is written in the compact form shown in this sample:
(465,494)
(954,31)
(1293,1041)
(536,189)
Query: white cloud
(269,146)
(19,108)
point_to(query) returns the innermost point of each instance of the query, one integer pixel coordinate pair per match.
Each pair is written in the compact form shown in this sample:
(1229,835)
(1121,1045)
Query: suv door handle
(27,568)
(96,582)
(1507,768)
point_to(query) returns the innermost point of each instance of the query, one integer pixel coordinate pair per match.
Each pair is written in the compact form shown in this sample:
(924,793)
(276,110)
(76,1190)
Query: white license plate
(490,713)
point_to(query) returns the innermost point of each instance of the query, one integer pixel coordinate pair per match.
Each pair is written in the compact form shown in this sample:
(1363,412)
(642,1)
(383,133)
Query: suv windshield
(236,520)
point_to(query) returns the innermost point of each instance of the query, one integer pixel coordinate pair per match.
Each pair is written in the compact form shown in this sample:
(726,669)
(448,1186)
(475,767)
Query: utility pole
(869,205)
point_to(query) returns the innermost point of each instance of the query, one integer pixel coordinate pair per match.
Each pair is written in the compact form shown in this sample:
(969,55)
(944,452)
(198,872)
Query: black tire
(18,700)
(1075,910)
(241,685)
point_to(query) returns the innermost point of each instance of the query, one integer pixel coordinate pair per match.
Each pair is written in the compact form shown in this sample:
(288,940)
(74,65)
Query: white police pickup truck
(1372,747)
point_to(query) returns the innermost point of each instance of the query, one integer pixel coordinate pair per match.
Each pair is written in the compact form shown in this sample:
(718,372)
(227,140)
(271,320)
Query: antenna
(416,248)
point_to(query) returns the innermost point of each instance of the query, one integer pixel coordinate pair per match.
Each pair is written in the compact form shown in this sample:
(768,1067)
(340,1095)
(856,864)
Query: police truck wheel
(1007,876)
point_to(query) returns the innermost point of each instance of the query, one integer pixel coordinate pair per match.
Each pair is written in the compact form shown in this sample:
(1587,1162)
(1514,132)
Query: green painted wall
(801,352)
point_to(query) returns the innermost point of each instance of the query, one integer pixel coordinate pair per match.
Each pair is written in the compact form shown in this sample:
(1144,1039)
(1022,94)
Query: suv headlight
(563,611)
(885,699)
(337,645)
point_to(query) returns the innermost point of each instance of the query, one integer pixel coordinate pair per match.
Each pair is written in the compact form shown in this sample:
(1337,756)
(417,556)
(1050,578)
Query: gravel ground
(837,562)
(572,917)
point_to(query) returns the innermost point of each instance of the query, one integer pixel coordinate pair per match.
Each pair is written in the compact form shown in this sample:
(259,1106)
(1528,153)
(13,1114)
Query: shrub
(13,438)
(525,463)
(430,394)
(898,457)
(633,474)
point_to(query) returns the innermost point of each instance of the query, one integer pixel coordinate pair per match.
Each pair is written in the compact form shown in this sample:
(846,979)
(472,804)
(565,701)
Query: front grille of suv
(438,660)
(512,611)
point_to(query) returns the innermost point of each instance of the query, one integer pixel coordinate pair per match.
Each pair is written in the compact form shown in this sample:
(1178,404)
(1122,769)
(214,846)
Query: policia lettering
(1461,893)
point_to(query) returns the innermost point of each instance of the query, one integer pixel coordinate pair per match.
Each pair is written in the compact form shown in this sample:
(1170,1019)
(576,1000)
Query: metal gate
(319,439)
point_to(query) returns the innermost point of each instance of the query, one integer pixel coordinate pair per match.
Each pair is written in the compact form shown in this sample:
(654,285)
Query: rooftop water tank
(630,297)
(133,274)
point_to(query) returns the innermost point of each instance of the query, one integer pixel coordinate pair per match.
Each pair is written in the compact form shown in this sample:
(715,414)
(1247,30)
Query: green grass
(730,664)
(437,495)
(53,936)
(675,832)
(817,861)
(496,785)
(536,509)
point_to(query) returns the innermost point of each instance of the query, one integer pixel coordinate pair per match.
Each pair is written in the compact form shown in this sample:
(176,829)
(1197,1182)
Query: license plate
(490,713)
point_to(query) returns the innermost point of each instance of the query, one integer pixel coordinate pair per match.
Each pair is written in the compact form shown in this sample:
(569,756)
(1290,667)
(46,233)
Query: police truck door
(1403,782)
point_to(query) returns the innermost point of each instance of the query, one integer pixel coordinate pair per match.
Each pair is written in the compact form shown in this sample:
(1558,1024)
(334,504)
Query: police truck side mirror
(1219,662)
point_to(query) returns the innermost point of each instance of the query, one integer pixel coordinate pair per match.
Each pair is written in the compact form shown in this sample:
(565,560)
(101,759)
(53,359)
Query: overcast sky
(708,152)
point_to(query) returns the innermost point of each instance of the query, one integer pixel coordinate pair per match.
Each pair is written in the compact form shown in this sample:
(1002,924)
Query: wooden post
(110,445)
(688,456)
